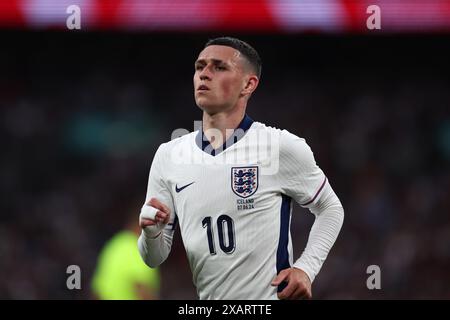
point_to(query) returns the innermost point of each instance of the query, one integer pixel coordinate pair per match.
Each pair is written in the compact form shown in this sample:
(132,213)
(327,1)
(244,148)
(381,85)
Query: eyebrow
(214,61)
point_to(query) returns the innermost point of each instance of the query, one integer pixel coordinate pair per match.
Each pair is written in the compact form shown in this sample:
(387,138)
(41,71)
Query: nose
(205,74)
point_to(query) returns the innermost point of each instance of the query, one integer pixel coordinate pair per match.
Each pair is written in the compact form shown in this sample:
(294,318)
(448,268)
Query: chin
(206,105)
(210,108)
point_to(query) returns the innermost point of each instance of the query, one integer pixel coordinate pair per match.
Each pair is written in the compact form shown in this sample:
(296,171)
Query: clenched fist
(298,284)
(153,218)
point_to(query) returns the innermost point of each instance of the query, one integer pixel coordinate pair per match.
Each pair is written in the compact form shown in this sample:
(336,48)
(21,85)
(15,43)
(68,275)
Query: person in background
(120,273)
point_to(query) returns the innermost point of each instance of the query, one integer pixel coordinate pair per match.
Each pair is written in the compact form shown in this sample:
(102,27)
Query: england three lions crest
(244,181)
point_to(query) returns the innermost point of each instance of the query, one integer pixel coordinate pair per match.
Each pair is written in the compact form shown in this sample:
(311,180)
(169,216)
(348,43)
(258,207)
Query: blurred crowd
(83,114)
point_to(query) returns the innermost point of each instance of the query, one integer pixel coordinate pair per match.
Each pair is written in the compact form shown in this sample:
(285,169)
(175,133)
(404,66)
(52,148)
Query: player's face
(219,78)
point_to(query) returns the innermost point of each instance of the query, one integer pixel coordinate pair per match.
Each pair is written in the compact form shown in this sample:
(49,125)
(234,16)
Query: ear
(250,85)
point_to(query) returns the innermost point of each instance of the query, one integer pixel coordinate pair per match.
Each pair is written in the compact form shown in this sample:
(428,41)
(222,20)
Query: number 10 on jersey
(225,230)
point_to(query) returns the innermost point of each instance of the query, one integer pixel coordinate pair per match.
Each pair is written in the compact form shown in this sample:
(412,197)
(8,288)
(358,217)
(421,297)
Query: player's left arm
(304,181)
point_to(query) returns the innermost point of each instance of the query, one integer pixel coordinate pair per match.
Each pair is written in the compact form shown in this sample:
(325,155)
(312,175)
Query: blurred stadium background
(83,111)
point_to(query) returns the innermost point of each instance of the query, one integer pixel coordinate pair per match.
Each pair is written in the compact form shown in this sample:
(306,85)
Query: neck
(221,121)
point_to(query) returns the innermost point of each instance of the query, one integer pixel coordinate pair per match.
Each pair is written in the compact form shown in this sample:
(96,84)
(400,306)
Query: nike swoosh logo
(179,189)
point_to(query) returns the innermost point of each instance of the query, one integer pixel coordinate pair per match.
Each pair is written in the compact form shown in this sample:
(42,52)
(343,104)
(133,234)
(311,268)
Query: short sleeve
(299,175)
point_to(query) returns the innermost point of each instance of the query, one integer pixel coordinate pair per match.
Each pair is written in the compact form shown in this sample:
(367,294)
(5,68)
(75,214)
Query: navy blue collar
(203,143)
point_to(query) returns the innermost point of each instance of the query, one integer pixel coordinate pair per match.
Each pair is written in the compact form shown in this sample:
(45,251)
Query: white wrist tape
(148,212)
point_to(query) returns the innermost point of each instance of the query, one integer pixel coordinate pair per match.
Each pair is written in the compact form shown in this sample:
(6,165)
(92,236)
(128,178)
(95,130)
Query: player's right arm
(157,216)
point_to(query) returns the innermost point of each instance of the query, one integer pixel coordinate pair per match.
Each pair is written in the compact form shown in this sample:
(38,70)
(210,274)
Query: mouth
(202,88)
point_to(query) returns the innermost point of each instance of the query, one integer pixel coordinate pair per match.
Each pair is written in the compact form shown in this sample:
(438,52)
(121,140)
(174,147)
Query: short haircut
(244,48)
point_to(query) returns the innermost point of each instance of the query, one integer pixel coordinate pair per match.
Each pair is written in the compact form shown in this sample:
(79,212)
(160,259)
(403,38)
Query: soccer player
(230,186)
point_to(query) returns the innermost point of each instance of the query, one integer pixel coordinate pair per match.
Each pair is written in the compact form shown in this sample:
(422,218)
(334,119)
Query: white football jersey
(233,205)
